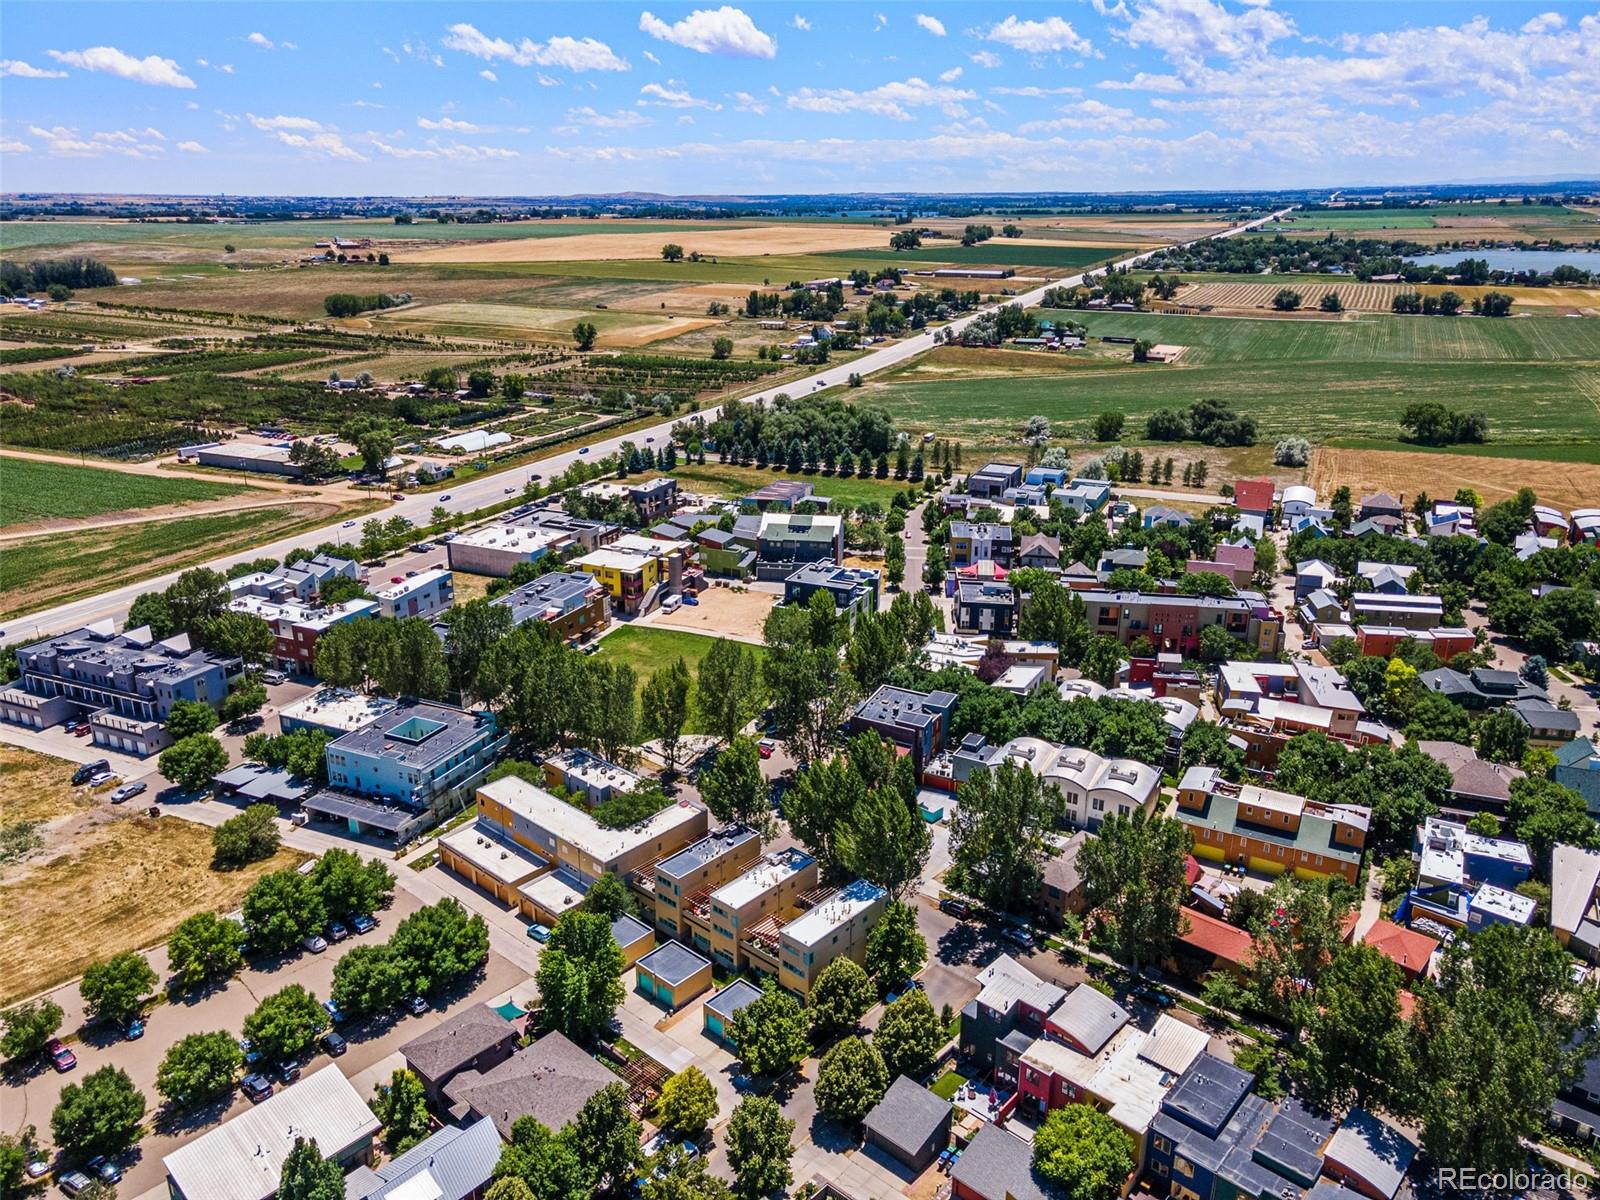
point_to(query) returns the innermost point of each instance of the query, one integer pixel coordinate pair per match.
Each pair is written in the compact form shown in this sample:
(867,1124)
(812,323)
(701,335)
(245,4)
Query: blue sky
(554,98)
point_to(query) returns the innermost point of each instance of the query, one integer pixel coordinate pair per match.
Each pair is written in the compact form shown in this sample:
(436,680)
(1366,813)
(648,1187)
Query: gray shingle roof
(908,1115)
(455,1042)
(549,1081)
(998,1165)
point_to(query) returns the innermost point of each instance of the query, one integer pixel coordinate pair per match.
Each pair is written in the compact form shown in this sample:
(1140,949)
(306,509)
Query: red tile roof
(1406,947)
(1253,495)
(1224,942)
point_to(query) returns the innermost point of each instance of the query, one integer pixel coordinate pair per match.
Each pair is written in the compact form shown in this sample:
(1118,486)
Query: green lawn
(740,481)
(1539,380)
(37,491)
(647,650)
(948,1084)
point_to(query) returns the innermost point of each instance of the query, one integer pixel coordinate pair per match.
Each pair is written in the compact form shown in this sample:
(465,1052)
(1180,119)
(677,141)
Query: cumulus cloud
(571,54)
(152,70)
(1035,92)
(262,40)
(451,151)
(303,133)
(489,75)
(23,70)
(12,146)
(726,30)
(745,102)
(1050,36)
(622,118)
(800,23)
(950,76)
(675,95)
(448,123)
(985,58)
(894,100)
(1545,23)
(932,24)
(193,148)
(1192,31)
(1095,114)
(64,141)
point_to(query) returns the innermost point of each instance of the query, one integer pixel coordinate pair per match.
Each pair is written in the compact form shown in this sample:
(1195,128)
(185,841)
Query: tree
(28,1027)
(850,1080)
(376,448)
(189,717)
(550,1166)
(818,806)
(16,1152)
(1296,928)
(1102,658)
(244,636)
(896,949)
(279,909)
(99,1116)
(839,998)
(894,561)
(580,976)
(683,1179)
(735,790)
(727,689)
(193,762)
(402,1106)
(152,610)
(199,1067)
(195,597)
(286,1024)
(672,252)
(1495,1042)
(369,979)
(115,990)
(1330,302)
(471,631)
(688,1103)
(609,1134)
(203,948)
(1084,1152)
(1502,737)
(1107,426)
(1286,300)
(609,897)
(249,837)
(245,700)
(759,1146)
(885,841)
(999,838)
(722,348)
(350,885)
(584,334)
(307,1175)
(1133,874)
(664,708)
(1545,814)
(440,943)
(770,1033)
(910,1036)
(1356,1051)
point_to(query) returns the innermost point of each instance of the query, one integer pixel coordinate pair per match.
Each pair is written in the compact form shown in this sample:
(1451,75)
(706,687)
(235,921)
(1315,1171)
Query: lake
(1515,260)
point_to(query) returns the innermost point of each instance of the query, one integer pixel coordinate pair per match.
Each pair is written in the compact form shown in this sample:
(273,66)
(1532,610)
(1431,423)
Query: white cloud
(193,148)
(571,54)
(303,133)
(12,146)
(932,24)
(1035,92)
(1192,31)
(1545,23)
(451,151)
(985,58)
(1095,114)
(1145,83)
(673,96)
(489,75)
(726,30)
(745,102)
(63,141)
(882,22)
(950,76)
(622,118)
(364,104)
(153,70)
(1049,36)
(800,23)
(894,100)
(450,124)
(22,70)
(262,40)
(650,57)
(273,124)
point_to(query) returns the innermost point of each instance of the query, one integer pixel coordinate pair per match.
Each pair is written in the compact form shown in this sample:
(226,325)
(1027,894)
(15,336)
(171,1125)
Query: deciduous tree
(99,1116)
(197,1068)
(759,1141)
(286,1024)
(1084,1152)
(1133,875)
(839,998)
(580,976)
(909,1036)
(896,949)
(770,1033)
(116,989)
(850,1080)
(688,1103)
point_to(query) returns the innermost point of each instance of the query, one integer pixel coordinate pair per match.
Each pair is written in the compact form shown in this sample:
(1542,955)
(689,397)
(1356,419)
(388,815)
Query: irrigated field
(1539,380)
(518,322)
(31,490)
(1356,296)
(744,241)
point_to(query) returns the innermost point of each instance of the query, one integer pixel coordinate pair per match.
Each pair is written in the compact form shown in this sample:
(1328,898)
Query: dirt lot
(1405,473)
(746,242)
(105,879)
(722,612)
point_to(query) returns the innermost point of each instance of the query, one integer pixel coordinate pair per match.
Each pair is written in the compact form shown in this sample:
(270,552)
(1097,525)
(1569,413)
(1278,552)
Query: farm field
(744,240)
(1407,472)
(647,649)
(1536,379)
(733,481)
(49,569)
(1370,297)
(31,490)
(145,875)
(998,252)
(514,321)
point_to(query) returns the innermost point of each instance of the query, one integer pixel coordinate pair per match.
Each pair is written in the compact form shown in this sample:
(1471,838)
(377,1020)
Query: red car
(766,746)
(61,1058)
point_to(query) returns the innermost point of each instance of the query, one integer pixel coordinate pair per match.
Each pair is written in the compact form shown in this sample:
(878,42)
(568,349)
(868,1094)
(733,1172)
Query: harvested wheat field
(1406,472)
(747,242)
(692,298)
(1357,297)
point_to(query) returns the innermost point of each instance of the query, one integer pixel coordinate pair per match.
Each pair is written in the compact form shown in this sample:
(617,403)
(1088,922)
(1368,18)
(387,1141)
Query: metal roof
(673,962)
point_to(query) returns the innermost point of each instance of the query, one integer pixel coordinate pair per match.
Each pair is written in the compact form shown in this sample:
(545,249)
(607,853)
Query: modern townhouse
(919,721)
(785,542)
(700,867)
(972,542)
(573,603)
(987,607)
(298,626)
(837,925)
(990,481)
(420,595)
(1270,831)
(1174,623)
(854,589)
(739,922)
(638,572)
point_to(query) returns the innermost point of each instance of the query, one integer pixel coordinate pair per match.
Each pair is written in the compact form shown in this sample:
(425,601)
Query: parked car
(1017,937)
(765,747)
(415,1005)
(251,1054)
(690,598)
(287,1073)
(274,677)
(81,729)
(362,923)
(129,790)
(104,1169)
(336,931)
(314,942)
(421,547)
(89,770)
(256,1086)
(73,1182)
(538,932)
(61,1058)
(334,1043)
(1151,994)
(134,1029)
(100,777)
(335,1013)
(956,908)
(38,1165)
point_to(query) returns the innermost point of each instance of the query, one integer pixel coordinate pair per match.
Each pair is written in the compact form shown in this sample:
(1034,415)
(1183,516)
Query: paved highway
(471,495)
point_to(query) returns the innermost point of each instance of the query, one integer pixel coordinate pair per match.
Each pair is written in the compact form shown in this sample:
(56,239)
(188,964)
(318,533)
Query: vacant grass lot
(1539,380)
(647,650)
(739,481)
(997,252)
(37,491)
(54,568)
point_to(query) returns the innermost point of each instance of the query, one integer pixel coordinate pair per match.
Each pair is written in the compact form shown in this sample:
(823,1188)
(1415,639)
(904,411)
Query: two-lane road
(469,496)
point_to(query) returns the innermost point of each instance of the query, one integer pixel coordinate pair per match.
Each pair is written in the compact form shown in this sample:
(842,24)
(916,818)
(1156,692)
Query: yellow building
(685,878)
(632,568)
(726,922)
(834,926)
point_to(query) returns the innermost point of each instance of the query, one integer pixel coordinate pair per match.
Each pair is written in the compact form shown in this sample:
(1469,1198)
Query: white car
(314,942)
(348,525)
(274,677)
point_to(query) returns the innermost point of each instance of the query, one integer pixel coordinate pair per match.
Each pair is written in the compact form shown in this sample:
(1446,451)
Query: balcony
(696,909)
(761,941)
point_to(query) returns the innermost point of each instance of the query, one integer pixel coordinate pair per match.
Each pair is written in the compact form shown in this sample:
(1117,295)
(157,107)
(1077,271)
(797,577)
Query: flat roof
(841,907)
(761,878)
(417,733)
(242,1159)
(732,998)
(673,962)
(627,929)
(512,539)
(369,812)
(556,891)
(483,845)
(593,770)
(276,452)
(707,850)
(417,582)
(573,825)
(338,708)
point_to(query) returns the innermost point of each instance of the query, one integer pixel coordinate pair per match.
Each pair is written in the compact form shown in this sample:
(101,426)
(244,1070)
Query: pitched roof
(1573,875)
(1223,941)
(997,1165)
(456,1041)
(1373,1151)
(1089,1017)
(549,1081)
(450,1165)
(1253,495)
(1410,949)
(908,1115)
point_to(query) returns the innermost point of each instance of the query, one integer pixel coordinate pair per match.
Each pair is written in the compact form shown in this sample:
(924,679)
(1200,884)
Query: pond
(1515,260)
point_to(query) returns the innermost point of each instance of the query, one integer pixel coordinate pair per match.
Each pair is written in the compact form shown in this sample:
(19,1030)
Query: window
(1182,1166)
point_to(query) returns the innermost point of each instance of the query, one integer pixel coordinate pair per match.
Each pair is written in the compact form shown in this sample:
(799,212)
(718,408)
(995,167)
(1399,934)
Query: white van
(671,603)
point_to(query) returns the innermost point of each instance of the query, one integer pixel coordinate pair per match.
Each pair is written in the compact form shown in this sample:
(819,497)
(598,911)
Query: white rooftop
(338,708)
(415,583)
(554,892)
(767,874)
(594,771)
(476,439)
(483,845)
(576,827)
(836,911)
(513,539)
(295,612)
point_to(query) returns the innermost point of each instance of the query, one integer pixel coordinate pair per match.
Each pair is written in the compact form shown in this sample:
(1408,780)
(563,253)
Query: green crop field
(739,481)
(647,650)
(1539,381)
(37,491)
